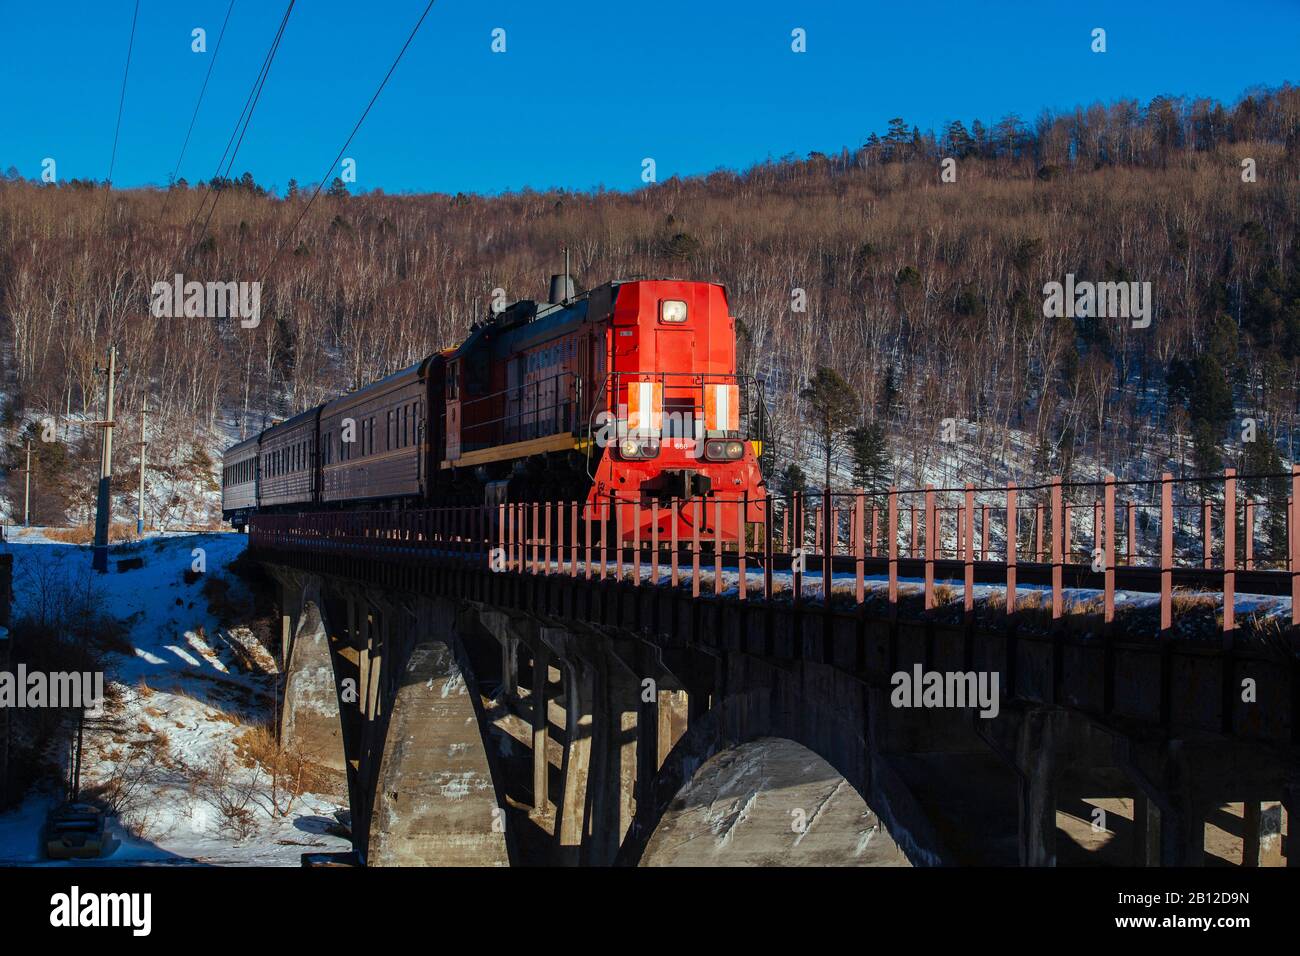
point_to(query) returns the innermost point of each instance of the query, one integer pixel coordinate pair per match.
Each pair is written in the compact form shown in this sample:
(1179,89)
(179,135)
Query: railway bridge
(541,683)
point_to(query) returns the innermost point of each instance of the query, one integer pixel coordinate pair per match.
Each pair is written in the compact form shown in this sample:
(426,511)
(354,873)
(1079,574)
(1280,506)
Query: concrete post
(1146,831)
(541,722)
(1182,835)
(578,705)
(1036,761)
(1250,833)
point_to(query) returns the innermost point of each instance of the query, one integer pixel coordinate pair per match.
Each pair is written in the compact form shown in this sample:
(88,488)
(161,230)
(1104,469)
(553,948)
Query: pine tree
(1206,459)
(958,141)
(1211,395)
(870,461)
(833,408)
(1261,457)
(789,482)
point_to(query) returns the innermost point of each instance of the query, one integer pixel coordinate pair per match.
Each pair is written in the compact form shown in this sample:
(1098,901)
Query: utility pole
(27,488)
(104,503)
(139,511)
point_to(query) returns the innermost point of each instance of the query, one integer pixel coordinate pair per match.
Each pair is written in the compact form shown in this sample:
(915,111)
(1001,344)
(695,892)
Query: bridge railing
(1094,539)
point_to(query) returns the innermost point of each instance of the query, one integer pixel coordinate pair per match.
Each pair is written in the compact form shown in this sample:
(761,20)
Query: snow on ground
(170,747)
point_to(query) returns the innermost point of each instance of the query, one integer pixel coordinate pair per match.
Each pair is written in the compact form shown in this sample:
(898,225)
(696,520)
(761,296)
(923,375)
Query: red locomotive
(626,393)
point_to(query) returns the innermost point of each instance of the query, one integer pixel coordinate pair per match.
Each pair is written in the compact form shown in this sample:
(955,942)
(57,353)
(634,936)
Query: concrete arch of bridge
(769,802)
(822,713)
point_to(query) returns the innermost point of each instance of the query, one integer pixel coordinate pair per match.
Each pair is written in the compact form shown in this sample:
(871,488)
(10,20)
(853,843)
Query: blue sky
(584,90)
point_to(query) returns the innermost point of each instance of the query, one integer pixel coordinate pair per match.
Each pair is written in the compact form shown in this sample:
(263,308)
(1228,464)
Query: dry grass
(119,532)
(292,771)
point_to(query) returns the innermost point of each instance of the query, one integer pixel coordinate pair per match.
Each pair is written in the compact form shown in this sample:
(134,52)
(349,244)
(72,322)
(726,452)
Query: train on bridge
(627,392)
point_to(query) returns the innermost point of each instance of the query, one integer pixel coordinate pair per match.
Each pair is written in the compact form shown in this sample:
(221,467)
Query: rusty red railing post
(1012,533)
(586,558)
(968,554)
(654,541)
(431,538)
(875,527)
(911,552)
(546,540)
(931,532)
(636,543)
(1108,553)
(797,552)
(859,549)
(1166,551)
(561,541)
(536,536)
(674,510)
(1057,539)
(695,549)
(717,547)
(1229,550)
(767,546)
(892,550)
(618,540)
(501,533)
(828,545)
(573,539)
(742,582)
(604,538)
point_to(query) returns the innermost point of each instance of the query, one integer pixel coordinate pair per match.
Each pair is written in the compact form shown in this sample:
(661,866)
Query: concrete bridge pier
(1169,820)
(383,691)
(435,802)
(309,713)
(606,705)
(1036,761)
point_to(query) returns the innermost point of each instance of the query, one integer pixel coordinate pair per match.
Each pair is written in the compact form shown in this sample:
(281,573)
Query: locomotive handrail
(536,413)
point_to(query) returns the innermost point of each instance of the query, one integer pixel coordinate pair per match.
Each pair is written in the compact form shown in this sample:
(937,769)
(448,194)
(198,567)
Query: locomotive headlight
(672,310)
(638,448)
(723,450)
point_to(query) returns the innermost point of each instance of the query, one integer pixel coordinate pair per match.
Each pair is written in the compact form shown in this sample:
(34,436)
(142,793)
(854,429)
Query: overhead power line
(348,141)
(189,132)
(121,102)
(237,135)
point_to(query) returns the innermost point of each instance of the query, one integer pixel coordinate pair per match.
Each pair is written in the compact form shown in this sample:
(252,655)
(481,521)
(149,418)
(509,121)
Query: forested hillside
(925,296)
